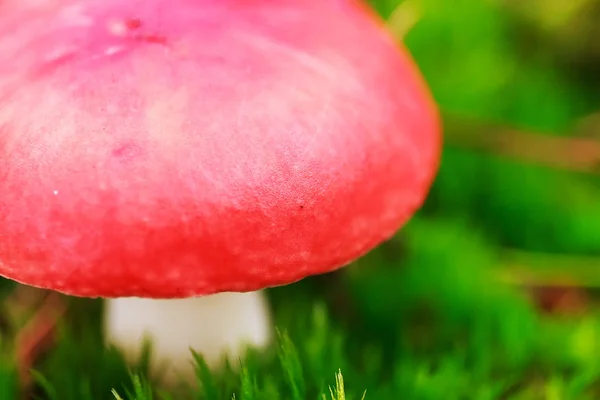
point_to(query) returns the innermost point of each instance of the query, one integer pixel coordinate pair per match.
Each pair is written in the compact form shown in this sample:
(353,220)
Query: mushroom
(156,152)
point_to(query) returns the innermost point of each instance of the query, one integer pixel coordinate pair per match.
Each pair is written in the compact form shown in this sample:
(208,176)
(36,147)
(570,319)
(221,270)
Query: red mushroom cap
(174,148)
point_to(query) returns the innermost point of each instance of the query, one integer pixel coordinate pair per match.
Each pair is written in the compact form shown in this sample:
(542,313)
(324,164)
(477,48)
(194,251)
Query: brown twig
(577,153)
(567,300)
(539,269)
(21,303)
(557,283)
(38,334)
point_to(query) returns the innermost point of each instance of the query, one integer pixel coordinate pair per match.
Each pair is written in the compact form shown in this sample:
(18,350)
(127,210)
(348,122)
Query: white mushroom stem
(213,326)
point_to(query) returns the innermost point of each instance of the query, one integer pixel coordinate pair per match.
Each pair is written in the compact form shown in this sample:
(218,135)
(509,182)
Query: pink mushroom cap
(176,148)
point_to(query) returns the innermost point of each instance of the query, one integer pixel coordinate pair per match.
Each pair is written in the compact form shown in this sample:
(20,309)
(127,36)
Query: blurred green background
(490,291)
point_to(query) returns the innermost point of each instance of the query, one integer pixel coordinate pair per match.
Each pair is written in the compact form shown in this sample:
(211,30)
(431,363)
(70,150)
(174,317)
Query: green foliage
(521,205)
(9,388)
(474,65)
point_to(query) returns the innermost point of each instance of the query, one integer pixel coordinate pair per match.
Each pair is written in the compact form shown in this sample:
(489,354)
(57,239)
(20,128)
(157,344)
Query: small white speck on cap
(113,50)
(60,52)
(55,192)
(117,27)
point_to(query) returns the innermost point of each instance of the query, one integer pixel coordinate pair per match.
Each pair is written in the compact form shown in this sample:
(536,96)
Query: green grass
(423,317)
